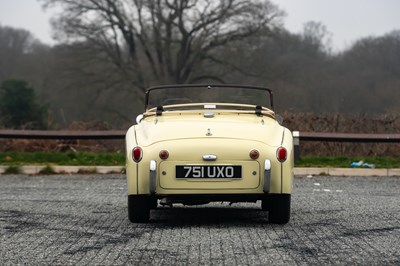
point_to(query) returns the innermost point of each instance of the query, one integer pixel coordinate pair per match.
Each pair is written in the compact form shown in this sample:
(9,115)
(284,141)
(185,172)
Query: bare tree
(316,33)
(162,41)
(14,45)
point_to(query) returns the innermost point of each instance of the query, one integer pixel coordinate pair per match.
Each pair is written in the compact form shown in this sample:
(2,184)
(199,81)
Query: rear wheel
(279,208)
(153,203)
(139,208)
(265,203)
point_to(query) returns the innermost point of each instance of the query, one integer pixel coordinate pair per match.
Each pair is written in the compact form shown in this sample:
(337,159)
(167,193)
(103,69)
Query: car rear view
(204,150)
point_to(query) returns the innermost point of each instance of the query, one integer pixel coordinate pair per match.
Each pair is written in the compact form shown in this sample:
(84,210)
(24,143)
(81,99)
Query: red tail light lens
(164,154)
(254,154)
(137,154)
(281,154)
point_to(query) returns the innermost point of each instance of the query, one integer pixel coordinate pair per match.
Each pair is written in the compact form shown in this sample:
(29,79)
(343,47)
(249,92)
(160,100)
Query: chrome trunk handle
(209,157)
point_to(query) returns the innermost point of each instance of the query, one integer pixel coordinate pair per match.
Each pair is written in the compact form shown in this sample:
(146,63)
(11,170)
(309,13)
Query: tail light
(164,154)
(137,154)
(254,154)
(281,154)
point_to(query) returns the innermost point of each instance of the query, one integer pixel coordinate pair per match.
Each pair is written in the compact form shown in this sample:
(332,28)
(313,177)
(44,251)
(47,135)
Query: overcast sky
(346,20)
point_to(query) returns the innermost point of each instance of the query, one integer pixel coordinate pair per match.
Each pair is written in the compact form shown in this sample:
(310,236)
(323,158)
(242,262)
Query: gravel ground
(82,219)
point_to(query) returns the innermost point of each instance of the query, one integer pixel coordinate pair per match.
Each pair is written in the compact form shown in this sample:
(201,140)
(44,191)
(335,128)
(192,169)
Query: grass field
(109,159)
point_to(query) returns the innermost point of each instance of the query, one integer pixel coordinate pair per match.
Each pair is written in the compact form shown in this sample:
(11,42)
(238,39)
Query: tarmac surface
(82,219)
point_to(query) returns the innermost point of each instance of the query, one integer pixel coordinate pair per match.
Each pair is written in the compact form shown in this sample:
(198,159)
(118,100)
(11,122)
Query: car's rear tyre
(279,208)
(139,208)
(265,203)
(153,203)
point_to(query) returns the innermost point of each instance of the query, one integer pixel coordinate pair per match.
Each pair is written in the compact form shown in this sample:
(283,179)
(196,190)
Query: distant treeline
(103,63)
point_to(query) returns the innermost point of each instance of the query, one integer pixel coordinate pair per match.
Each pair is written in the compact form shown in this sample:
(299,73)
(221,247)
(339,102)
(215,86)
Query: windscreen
(207,94)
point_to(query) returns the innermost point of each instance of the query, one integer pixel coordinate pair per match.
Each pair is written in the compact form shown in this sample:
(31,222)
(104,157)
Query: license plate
(209,171)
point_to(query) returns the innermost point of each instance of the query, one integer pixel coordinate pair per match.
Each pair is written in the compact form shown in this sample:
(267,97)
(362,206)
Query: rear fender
(130,166)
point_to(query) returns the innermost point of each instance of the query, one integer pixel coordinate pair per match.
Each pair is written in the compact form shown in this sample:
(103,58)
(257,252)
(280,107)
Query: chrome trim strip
(153,176)
(267,176)
(209,157)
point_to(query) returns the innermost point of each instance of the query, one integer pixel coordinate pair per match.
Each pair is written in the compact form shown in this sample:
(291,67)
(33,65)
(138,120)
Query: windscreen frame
(209,86)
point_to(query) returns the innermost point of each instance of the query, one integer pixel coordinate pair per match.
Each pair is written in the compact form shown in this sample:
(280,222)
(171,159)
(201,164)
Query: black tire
(153,203)
(279,208)
(138,208)
(265,204)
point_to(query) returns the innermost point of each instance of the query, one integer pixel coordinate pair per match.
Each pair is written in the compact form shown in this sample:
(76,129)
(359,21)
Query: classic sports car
(195,144)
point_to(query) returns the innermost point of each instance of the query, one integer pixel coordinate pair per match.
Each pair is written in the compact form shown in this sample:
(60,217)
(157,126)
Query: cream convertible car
(200,143)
